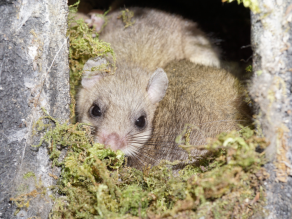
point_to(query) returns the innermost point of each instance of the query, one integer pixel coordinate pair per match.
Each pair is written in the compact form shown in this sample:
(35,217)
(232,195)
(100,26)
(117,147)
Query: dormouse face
(121,106)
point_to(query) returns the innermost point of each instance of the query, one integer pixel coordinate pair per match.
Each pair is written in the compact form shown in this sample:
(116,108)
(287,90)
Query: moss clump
(252,4)
(28,175)
(94,183)
(84,44)
(127,16)
(248,68)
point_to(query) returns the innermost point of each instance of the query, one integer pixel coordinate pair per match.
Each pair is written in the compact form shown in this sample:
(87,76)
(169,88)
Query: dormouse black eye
(95,111)
(140,122)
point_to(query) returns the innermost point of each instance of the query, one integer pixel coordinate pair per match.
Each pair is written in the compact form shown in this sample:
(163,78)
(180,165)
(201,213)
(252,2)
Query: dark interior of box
(227,24)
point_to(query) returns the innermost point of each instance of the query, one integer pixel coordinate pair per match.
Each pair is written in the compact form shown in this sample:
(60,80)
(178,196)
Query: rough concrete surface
(34,73)
(271,91)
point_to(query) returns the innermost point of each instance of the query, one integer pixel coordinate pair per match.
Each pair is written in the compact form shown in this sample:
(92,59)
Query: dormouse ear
(157,86)
(96,20)
(91,71)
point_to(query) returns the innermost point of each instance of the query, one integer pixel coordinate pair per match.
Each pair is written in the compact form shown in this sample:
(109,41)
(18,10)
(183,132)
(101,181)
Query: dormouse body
(142,113)
(123,107)
(155,38)
(200,102)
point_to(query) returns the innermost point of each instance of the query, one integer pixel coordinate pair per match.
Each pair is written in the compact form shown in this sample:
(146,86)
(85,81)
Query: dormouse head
(120,106)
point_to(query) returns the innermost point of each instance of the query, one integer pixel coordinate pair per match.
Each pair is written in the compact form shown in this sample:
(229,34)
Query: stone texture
(271,91)
(34,73)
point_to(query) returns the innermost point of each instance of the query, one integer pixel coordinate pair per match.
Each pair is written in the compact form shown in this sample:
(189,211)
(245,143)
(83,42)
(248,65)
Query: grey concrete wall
(34,73)
(271,91)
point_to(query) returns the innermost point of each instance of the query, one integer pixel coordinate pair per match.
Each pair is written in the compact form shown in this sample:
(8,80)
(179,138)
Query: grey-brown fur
(156,38)
(208,98)
(122,98)
(204,96)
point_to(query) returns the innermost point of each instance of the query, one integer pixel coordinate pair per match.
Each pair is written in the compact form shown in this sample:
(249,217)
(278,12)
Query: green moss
(127,16)
(252,4)
(95,183)
(248,68)
(84,44)
(28,175)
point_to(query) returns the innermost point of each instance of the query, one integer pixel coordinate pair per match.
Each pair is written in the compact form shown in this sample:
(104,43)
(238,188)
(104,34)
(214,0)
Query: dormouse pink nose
(114,141)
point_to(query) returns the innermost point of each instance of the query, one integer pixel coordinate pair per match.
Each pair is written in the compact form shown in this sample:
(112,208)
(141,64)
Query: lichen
(23,200)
